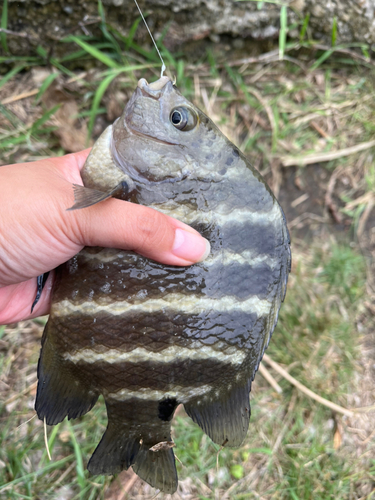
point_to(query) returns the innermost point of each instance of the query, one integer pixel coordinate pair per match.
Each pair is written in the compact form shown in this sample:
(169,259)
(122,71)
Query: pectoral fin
(86,197)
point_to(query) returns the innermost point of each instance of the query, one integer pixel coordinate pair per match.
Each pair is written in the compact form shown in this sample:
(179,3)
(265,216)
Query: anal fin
(226,419)
(60,393)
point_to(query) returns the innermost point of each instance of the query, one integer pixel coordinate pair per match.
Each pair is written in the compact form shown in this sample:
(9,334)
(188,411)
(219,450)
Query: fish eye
(183,118)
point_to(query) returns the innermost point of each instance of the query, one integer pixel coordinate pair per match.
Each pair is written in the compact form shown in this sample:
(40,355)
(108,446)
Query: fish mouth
(153,89)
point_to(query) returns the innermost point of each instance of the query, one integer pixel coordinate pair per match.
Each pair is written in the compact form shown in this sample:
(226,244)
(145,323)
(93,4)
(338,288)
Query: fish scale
(149,336)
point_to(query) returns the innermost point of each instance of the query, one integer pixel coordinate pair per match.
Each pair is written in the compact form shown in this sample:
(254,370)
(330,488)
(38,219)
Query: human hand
(37,233)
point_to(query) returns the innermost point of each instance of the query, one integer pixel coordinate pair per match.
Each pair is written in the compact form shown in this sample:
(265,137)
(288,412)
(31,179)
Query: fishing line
(163,68)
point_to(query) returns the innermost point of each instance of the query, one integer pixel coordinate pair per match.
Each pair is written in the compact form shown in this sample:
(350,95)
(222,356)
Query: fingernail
(190,246)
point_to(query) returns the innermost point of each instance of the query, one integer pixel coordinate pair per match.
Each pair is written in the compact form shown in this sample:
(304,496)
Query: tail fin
(60,393)
(119,449)
(115,452)
(157,468)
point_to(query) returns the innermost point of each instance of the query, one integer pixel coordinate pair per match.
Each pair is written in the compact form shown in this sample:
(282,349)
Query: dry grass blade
(31,93)
(289,161)
(127,487)
(348,52)
(329,203)
(27,421)
(22,393)
(18,97)
(266,374)
(305,390)
(361,200)
(266,106)
(365,216)
(46,439)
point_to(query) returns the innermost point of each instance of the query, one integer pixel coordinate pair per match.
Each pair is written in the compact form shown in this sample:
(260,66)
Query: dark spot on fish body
(229,160)
(167,408)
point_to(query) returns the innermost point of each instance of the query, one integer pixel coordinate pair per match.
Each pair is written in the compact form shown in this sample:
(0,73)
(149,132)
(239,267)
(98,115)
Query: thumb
(121,224)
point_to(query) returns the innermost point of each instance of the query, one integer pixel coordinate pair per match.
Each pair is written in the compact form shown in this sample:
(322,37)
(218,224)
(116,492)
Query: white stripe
(105,255)
(182,394)
(184,304)
(221,215)
(171,354)
(223,257)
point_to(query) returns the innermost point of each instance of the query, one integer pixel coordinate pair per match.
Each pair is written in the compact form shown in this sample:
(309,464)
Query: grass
(316,100)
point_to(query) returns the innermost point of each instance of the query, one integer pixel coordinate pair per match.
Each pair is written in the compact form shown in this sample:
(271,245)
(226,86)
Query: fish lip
(154,89)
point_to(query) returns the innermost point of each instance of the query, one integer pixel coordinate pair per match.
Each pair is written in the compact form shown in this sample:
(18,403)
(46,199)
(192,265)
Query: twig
(267,107)
(300,200)
(306,215)
(16,33)
(266,374)
(127,487)
(287,420)
(24,95)
(63,475)
(18,97)
(347,52)
(305,390)
(272,55)
(18,395)
(331,206)
(301,161)
(27,421)
(368,439)
(322,132)
(361,200)
(365,216)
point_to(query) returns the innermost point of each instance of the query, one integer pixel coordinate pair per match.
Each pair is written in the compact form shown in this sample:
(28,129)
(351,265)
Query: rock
(47,21)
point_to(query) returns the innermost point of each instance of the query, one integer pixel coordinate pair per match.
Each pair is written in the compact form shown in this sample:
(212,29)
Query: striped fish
(149,336)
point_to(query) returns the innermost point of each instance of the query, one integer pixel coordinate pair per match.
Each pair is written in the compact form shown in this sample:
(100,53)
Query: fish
(149,336)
